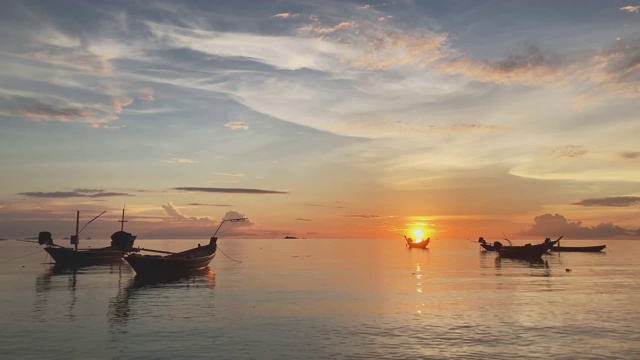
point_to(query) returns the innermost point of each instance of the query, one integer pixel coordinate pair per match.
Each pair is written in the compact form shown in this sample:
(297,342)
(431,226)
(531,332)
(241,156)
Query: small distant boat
(417,244)
(121,242)
(173,264)
(290,237)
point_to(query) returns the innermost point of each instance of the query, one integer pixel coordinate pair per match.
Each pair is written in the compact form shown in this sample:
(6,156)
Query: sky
(321,119)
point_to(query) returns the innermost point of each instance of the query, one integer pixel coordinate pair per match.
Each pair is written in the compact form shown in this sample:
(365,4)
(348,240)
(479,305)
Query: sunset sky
(321,119)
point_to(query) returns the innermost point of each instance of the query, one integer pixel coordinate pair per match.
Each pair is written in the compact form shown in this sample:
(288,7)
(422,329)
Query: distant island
(290,237)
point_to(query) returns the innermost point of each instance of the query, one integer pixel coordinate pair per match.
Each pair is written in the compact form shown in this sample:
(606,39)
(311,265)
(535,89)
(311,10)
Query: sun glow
(418,234)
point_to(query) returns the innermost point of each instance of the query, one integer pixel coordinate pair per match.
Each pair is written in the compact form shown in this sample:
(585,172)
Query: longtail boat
(596,248)
(121,242)
(526,252)
(492,247)
(172,263)
(421,244)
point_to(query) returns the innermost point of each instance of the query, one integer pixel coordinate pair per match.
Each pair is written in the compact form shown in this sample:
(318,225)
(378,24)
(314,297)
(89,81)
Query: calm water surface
(319,299)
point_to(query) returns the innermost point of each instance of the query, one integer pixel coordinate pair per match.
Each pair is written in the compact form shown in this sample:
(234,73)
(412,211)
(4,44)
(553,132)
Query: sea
(326,299)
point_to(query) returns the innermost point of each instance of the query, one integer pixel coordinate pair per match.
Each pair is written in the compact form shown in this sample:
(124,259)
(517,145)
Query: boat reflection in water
(60,289)
(143,290)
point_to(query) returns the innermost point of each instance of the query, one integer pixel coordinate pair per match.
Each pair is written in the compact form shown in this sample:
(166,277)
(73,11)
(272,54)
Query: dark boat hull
(69,257)
(596,248)
(527,252)
(491,247)
(155,265)
(418,245)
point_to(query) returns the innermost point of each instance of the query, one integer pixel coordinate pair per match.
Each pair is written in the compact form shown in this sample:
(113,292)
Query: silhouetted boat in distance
(596,248)
(173,264)
(421,244)
(492,247)
(290,237)
(121,242)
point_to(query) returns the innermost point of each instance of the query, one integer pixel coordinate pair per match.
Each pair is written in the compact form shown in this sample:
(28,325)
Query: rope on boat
(228,255)
(7,260)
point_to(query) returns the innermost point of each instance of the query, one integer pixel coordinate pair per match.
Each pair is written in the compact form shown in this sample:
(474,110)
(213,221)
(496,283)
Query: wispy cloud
(366,216)
(236,125)
(630,8)
(301,219)
(285,15)
(86,193)
(35,109)
(231,174)
(202,204)
(81,61)
(230,190)
(632,155)
(568,151)
(616,201)
(337,205)
(179,161)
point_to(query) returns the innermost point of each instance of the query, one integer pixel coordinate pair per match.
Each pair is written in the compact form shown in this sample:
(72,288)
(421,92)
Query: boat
(596,248)
(171,263)
(492,247)
(121,242)
(526,252)
(417,244)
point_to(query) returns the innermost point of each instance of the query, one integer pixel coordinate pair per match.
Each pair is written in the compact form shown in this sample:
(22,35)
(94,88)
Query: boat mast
(75,243)
(123,220)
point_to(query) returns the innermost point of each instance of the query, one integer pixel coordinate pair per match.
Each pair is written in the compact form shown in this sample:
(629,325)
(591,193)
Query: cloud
(465,127)
(617,201)
(201,204)
(56,109)
(237,215)
(630,155)
(86,193)
(179,161)
(232,175)
(339,206)
(118,102)
(548,225)
(236,125)
(34,109)
(302,219)
(285,15)
(568,151)
(79,60)
(366,216)
(630,8)
(230,190)
(376,45)
(175,214)
(146,94)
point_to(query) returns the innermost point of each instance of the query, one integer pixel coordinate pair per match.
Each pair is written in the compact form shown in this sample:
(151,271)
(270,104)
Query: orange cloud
(630,8)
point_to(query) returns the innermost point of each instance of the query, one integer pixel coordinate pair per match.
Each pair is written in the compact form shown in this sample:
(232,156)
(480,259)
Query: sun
(418,233)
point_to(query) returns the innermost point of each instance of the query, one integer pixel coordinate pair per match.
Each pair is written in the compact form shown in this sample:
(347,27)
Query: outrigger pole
(230,220)
(77,236)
